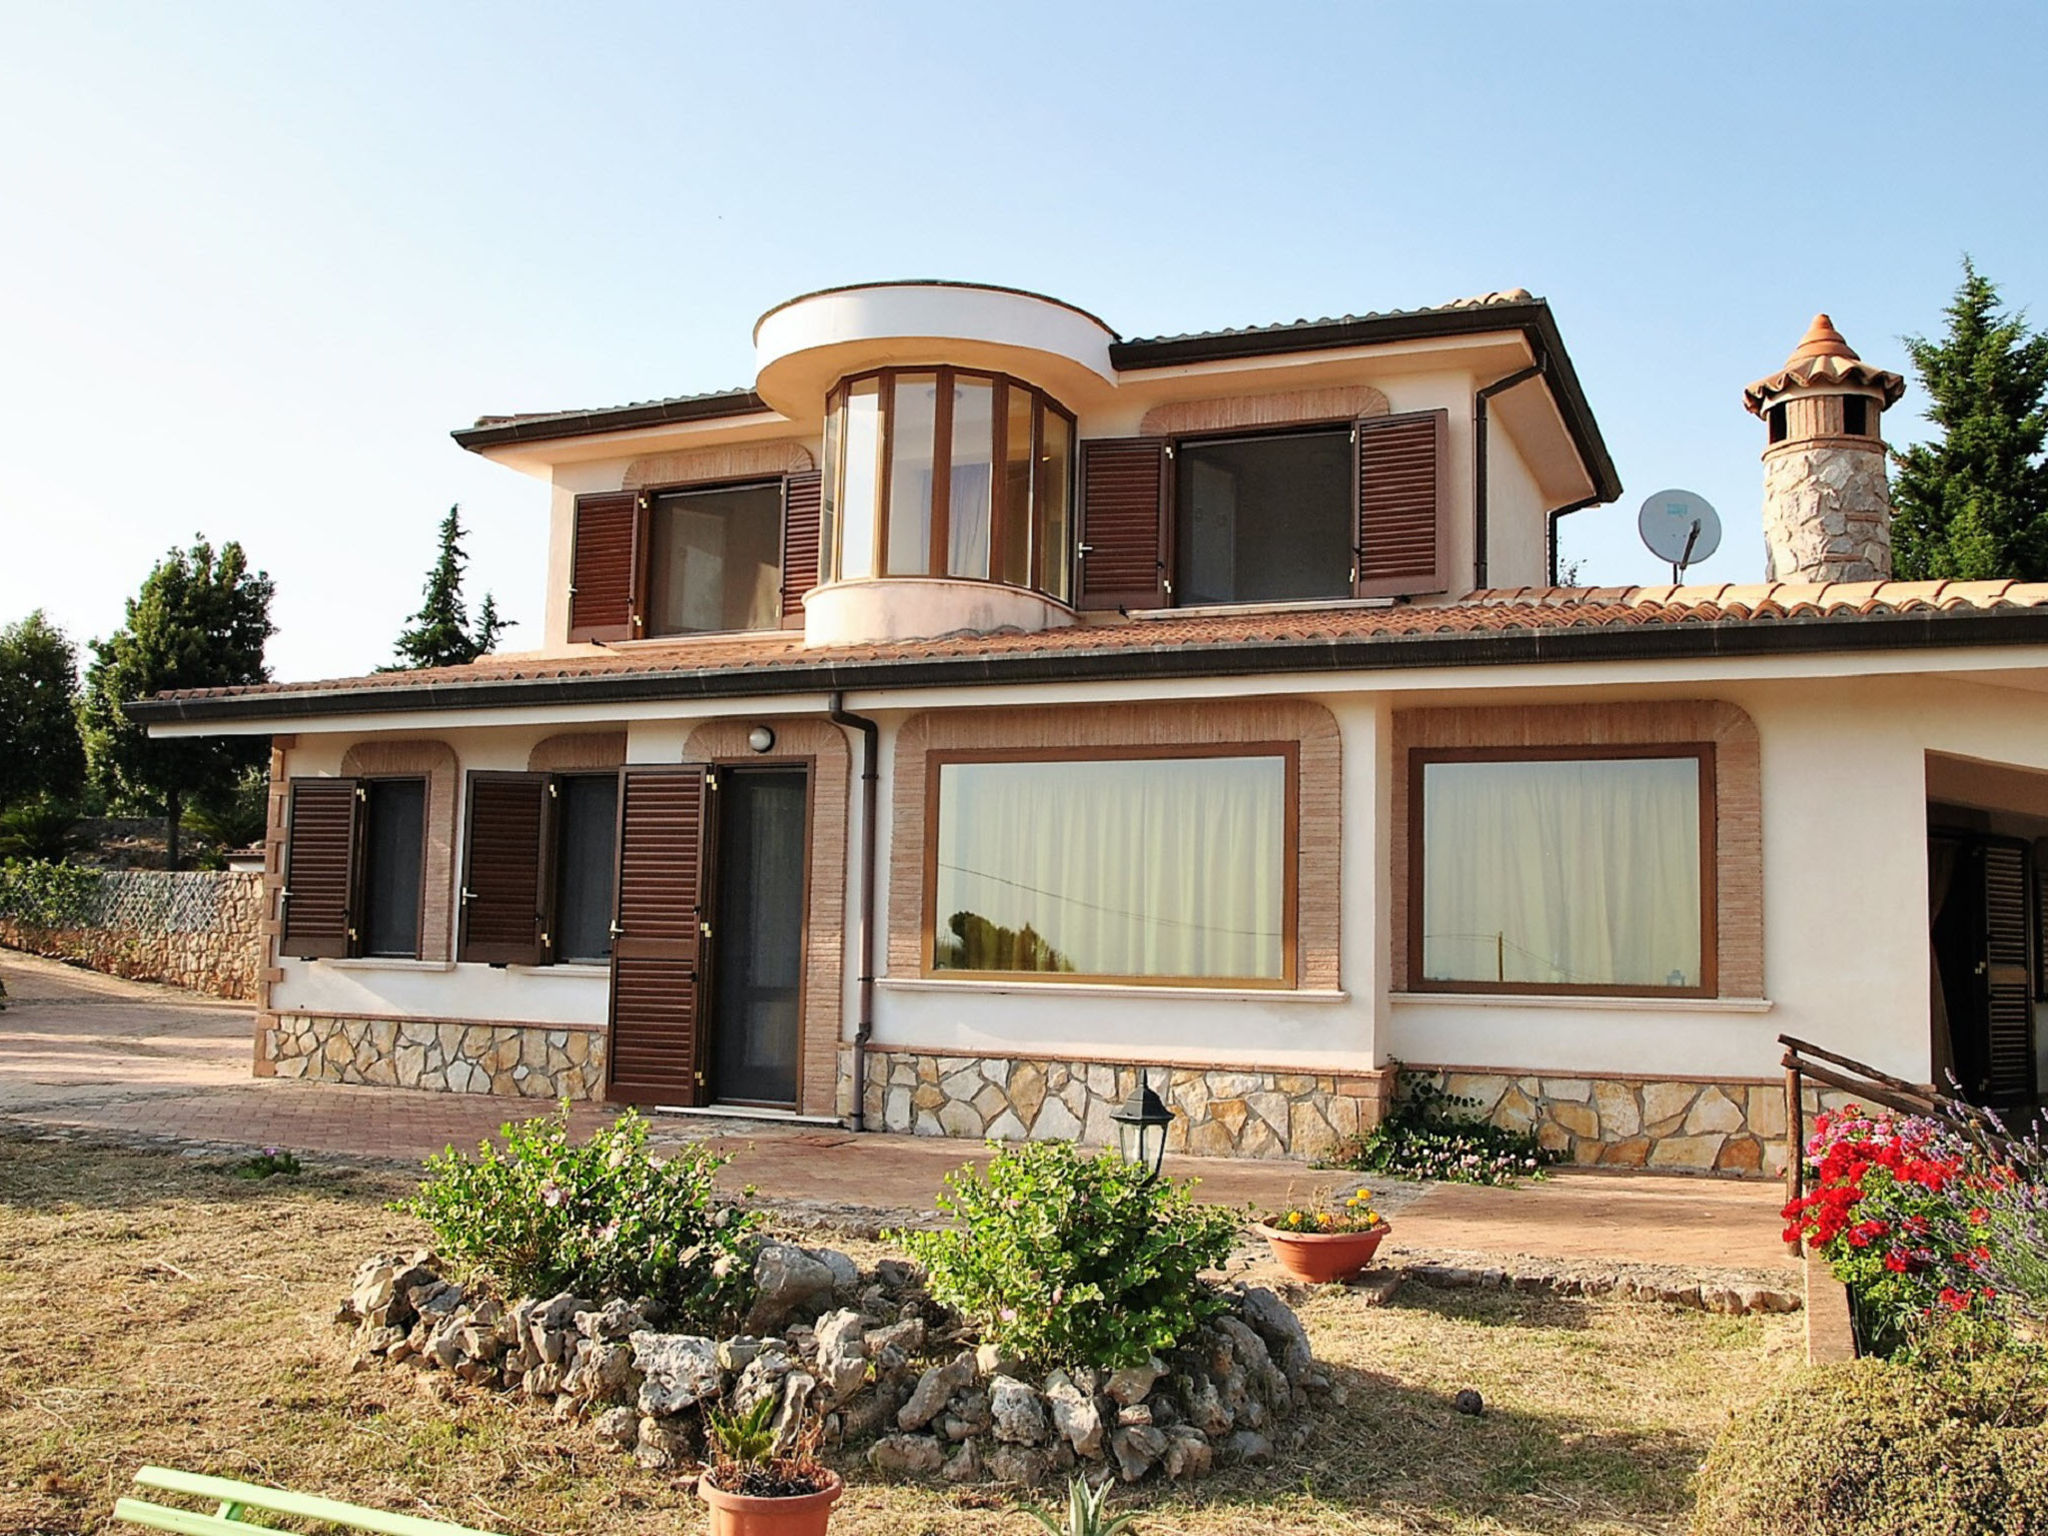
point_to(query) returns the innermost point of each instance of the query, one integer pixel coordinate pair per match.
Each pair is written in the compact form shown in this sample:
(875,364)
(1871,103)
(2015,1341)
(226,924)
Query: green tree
(199,621)
(40,751)
(440,634)
(1972,503)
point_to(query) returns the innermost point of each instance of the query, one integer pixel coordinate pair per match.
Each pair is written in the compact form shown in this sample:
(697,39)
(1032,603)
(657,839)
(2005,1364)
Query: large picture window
(1266,518)
(1563,870)
(1149,868)
(714,560)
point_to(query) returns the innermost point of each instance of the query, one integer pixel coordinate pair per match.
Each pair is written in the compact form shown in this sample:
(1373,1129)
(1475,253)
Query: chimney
(1827,504)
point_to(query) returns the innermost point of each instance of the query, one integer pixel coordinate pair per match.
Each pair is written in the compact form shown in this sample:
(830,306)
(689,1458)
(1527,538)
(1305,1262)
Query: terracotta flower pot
(740,1514)
(1324,1256)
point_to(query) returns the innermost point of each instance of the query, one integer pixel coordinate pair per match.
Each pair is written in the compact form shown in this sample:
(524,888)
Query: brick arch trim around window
(1067,730)
(1288,408)
(739,461)
(821,747)
(435,762)
(1738,800)
(578,752)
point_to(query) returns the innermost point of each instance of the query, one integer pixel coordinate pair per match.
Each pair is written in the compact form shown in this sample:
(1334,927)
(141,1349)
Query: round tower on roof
(1827,503)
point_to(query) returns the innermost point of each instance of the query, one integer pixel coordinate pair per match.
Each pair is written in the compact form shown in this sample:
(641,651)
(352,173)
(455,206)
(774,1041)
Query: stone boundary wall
(195,929)
(1221,1111)
(1675,1125)
(514,1061)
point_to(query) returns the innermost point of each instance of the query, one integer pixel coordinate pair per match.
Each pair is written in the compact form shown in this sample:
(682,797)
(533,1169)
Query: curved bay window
(948,472)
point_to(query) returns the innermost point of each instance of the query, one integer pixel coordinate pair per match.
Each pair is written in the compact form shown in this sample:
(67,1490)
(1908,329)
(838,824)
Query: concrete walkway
(87,1054)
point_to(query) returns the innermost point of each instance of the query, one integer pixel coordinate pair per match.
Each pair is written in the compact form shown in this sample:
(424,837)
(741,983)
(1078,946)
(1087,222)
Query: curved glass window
(949,472)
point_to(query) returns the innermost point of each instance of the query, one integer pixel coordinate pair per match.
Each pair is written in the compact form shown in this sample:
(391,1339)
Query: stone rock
(1019,1415)
(1740,1154)
(1137,1449)
(933,1388)
(867,1416)
(1579,1119)
(845,1273)
(614,1320)
(991,1361)
(664,1443)
(544,1380)
(971,1413)
(1256,1361)
(906,1338)
(679,1370)
(906,1455)
(617,1427)
(964,1465)
(1666,1101)
(602,1371)
(1694,1153)
(1274,1321)
(1188,1454)
(1620,1115)
(1204,1406)
(1133,1382)
(798,1388)
(1074,1414)
(1025,1466)
(1248,1446)
(789,1284)
(842,1354)
(1137,1413)
(737,1353)
(551,1324)
(763,1376)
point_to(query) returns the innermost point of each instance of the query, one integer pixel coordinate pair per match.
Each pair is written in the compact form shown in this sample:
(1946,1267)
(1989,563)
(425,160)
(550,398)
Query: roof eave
(1931,629)
(625,418)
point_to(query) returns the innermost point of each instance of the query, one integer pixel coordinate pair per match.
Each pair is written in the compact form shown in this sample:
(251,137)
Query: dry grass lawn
(157,1309)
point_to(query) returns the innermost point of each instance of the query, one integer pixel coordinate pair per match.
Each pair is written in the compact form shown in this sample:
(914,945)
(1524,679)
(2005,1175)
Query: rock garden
(1063,1322)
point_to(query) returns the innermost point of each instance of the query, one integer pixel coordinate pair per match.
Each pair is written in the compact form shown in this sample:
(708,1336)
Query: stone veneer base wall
(516,1061)
(1221,1111)
(1677,1125)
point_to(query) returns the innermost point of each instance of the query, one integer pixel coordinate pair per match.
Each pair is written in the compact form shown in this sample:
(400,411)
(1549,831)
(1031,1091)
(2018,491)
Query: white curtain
(967,535)
(1574,872)
(1153,867)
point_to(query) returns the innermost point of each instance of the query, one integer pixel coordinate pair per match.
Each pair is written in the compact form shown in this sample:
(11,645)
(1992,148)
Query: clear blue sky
(256,260)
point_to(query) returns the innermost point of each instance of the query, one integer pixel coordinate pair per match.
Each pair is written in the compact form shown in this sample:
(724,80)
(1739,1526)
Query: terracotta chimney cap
(1821,359)
(1821,340)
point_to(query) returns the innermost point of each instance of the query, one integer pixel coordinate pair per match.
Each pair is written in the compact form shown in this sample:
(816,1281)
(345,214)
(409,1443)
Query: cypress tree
(1972,502)
(440,634)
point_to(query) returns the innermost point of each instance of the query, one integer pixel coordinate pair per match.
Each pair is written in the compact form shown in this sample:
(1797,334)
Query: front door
(1982,951)
(664,853)
(757,936)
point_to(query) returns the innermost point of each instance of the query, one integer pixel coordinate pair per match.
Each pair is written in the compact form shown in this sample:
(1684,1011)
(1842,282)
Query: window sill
(1580,1003)
(384,963)
(698,637)
(586,972)
(1109,989)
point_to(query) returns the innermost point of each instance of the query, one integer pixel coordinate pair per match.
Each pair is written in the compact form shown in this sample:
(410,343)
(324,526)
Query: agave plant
(745,1439)
(1087,1512)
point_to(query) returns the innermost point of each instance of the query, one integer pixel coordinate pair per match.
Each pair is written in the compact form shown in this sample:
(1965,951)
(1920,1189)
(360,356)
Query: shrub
(1431,1133)
(1070,1261)
(39,894)
(605,1219)
(1879,1447)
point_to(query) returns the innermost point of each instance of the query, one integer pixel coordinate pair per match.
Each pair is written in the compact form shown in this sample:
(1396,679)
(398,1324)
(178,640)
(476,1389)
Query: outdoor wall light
(761,739)
(1144,1120)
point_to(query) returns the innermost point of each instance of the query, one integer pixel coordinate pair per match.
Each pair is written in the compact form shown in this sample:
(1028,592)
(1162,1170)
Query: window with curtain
(715,560)
(1142,868)
(1564,874)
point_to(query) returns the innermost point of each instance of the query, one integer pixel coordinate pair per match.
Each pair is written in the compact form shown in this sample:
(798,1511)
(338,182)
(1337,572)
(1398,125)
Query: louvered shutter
(1124,523)
(1400,540)
(605,567)
(504,873)
(800,511)
(320,870)
(2008,974)
(657,1029)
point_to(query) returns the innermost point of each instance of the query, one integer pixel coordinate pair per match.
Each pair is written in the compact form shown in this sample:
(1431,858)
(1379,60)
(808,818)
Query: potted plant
(1326,1245)
(756,1489)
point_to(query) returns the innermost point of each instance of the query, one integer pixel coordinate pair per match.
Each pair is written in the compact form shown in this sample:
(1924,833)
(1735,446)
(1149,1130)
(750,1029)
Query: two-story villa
(982,708)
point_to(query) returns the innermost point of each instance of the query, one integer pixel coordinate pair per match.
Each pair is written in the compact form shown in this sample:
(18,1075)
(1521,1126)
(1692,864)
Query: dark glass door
(757,938)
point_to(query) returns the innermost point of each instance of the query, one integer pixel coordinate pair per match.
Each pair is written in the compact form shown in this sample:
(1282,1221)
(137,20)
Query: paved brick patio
(89,1054)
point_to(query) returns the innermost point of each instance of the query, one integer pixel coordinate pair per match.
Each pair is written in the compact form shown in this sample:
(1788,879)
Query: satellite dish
(1680,528)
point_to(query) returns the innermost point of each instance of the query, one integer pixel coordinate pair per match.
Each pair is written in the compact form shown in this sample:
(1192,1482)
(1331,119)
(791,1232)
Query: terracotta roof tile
(1521,610)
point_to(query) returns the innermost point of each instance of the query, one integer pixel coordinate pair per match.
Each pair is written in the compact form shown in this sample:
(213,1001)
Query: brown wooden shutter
(320,870)
(1124,523)
(604,580)
(504,873)
(2008,973)
(1401,544)
(801,507)
(657,1030)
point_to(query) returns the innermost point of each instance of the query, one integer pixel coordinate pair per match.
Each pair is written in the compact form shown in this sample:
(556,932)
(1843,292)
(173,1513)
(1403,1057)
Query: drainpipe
(864,920)
(1550,532)
(1486,393)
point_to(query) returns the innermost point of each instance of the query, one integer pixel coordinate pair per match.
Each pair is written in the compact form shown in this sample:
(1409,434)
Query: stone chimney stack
(1827,503)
